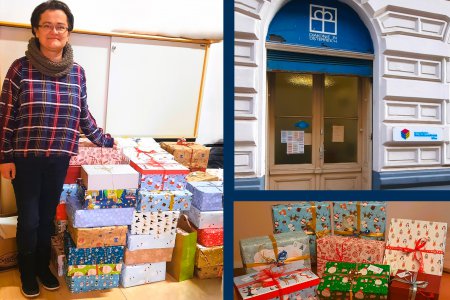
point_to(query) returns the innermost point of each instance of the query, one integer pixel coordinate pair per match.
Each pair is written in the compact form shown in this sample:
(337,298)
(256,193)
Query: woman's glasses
(49,27)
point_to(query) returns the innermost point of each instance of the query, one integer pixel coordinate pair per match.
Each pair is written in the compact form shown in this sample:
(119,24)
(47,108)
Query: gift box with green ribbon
(365,220)
(284,248)
(313,218)
(343,280)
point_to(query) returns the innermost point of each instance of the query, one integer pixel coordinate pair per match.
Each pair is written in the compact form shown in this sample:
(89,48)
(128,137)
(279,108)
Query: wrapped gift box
(197,176)
(210,237)
(209,272)
(91,256)
(216,172)
(313,218)
(401,286)
(91,154)
(425,239)
(208,256)
(366,220)
(70,190)
(163,200)
(78,284)
(81,218)
(287,279)
(151,241)
(191,155)
(143,155)
(141,274)
(99,236)
(111,177)
(161,175)
(205,219)
(73,174)
(57,254)
(342,280)
(290,247)
(154,222)
(100,269)
(348,249)
(206,195)
(95,199)
(182,265)
(144,256)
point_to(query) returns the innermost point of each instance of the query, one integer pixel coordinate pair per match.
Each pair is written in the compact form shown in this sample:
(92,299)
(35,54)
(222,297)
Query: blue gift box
(163,200)
(70,190)
(79,284)
(94,199)
(366,220)
(313,218)
(207,195)
(91,256)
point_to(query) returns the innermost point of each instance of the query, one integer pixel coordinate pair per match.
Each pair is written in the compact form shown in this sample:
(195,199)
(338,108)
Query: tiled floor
(190,289)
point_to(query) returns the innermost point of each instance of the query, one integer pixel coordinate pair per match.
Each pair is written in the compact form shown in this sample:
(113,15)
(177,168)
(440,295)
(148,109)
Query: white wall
(193,18)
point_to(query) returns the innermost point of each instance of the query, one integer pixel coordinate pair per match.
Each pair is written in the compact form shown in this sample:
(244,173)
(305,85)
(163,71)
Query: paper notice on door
(294,140)
(338,134)
(295,148)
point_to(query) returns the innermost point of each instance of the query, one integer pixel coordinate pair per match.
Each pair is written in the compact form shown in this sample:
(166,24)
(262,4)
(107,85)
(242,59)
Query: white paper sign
(338,134)
(294,140)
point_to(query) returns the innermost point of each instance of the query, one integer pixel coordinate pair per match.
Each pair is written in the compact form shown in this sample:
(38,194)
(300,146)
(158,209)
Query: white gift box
(205,219)
(154,222)
(151,241)
(109,177)
(143,273)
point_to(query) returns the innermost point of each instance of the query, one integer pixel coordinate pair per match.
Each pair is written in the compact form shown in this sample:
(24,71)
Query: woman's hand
(8,170)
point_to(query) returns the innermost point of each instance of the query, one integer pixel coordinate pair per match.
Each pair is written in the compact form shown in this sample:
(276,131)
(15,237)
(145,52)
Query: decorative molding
(245,79)
(413,112)
(412,68)
(424,91)
(412,156)
(245,53)
(245,132)
(245,106)
(399,23)
(416,179)
(248,28)
(249,184)
(244,161)
(251,8)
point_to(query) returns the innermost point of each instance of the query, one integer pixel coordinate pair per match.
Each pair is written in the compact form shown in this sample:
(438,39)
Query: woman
(42,106)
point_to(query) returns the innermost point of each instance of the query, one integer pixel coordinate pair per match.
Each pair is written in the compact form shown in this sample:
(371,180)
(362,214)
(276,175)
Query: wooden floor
(170,289)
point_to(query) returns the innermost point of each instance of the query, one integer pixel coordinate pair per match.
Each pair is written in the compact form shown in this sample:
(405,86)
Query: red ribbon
(182,142)
(418,250)
(139,151)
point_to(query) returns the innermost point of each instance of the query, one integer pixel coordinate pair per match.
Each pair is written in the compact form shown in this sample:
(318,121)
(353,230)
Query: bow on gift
(276,261)
(349,230)
(312,226)
(139,151)
(417,250)
(414,285)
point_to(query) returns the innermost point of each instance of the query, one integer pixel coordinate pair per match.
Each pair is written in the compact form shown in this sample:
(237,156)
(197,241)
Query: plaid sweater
(40,116)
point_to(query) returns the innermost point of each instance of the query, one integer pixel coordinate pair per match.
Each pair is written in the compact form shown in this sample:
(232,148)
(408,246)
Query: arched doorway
(319,70)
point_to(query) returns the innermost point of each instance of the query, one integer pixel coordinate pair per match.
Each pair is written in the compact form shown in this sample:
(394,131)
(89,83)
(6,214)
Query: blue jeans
(37,187)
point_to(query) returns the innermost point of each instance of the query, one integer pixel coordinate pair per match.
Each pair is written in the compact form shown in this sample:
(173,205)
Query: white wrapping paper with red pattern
(348,249)
(414,245)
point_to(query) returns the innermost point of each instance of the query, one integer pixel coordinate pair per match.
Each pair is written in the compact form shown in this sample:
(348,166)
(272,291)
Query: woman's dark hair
(50,5)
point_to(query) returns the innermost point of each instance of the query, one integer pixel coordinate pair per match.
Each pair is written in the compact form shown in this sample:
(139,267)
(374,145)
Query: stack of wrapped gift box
(99,213)
(277,265)
(206,214)
(161,197)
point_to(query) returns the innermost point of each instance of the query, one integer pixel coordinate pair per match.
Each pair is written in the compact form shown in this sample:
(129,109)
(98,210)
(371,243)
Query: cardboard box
(109,177)
(182,265)
(8,247)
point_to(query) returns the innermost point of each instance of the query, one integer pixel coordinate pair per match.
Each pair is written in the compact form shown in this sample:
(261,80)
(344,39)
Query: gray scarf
(46,66)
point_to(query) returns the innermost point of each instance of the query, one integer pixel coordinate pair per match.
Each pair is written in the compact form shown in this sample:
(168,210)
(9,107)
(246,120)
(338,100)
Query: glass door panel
(293,102)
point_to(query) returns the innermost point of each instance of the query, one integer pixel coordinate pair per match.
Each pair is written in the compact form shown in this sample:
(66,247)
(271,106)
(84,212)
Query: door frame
(304,171)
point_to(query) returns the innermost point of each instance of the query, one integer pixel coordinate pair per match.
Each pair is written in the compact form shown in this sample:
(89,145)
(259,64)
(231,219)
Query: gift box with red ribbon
(348,249)
(192,155)
(259,252)
(414,286)
(416,246)
(277,282)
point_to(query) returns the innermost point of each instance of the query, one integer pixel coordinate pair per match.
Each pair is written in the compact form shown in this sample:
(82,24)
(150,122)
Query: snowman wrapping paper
(416,246)
(290,247)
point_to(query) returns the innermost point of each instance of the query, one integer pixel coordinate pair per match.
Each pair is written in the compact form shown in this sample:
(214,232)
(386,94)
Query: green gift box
(361,281)
(182,265)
